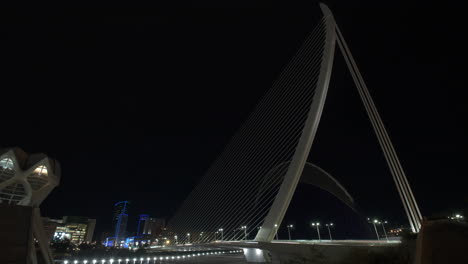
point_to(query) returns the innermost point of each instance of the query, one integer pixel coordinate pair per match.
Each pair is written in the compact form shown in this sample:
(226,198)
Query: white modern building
(25,181)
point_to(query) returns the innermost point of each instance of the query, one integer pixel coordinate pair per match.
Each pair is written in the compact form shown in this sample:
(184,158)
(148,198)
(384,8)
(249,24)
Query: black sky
(138,106)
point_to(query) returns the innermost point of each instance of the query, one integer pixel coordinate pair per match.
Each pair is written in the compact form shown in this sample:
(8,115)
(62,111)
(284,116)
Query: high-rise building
(76,228)
(120,220)
(150,227)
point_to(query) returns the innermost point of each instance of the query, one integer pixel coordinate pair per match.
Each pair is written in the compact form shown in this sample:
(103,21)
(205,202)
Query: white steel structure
(249,187)
(26,180)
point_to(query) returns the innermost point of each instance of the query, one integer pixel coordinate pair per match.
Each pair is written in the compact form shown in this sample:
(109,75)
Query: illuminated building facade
(25,181)
(75,228)
(150,227)
(120,221)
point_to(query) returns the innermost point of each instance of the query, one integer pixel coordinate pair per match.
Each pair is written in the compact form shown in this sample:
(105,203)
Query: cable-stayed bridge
(244,195)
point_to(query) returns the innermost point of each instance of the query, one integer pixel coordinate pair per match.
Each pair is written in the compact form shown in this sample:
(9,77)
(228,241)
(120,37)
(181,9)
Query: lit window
(38,178)
(41,170)
(6,163)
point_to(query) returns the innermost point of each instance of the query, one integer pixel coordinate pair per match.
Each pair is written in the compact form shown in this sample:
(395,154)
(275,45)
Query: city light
(276,231)
(329,231)
(289,230)
(318,230)
(375,227)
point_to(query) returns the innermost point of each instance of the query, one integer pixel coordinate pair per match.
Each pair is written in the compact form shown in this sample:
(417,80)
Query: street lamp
(276,231)
(188,238)
(245,232)
(329,232)
(222,234)
(289,230)
(175,237)
(383,227)
(318,230)
(375,227)
(216,235)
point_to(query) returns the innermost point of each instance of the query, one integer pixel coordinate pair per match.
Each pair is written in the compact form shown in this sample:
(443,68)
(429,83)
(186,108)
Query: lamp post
(222,234)
(383,227)
(318,230)
(245,232)
(216,235)
(276,231)
(329,232)
(289,230)
(188,238)
(375,227)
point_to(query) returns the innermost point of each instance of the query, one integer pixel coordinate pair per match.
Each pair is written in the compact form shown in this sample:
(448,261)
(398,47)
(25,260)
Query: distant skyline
(137,108)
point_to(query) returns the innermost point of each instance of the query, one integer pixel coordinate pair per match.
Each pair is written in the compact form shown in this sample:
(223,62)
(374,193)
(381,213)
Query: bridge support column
(256,255)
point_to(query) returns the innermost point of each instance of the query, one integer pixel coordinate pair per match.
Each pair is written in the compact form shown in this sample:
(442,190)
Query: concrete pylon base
(256,255)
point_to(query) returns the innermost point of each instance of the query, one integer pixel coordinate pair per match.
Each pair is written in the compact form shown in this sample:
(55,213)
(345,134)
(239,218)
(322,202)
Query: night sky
(136,107)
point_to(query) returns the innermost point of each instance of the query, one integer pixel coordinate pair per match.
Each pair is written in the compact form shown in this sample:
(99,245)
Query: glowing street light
(222,234)
(383,227)
(175,237)
(94,261)
(329,232)
(85,261)
(126,261)
(289,230)
(119,260)
(375,227)
(111,261)
(276,231)
(245,232)
(318,230)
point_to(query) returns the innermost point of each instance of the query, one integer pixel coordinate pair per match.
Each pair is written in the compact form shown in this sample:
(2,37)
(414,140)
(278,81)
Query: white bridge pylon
(249,187)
